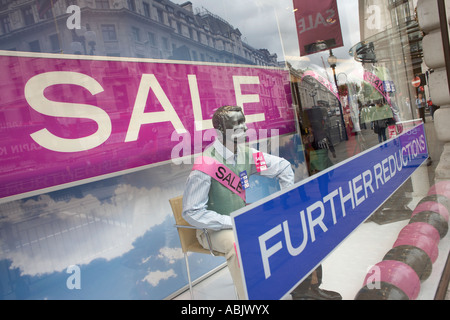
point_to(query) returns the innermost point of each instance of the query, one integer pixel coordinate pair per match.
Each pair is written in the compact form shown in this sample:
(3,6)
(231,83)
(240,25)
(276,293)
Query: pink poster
(318,25)
(67,121)
(378,84)
(327,84)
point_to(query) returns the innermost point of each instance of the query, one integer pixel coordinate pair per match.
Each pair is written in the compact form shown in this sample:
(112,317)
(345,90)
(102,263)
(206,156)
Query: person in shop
(321,145)
(382,115)
(433,108)
(421,103)
(317,141)
(208,202)
(318,145)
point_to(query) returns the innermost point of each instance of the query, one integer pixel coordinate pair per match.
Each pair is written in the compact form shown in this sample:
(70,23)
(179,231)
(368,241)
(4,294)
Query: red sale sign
(318,25)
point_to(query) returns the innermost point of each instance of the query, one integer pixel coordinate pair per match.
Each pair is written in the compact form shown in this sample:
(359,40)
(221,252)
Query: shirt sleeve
(278,168)
(195,201)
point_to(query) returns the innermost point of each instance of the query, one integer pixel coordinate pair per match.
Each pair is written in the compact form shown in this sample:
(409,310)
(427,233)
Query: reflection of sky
(119,231)
(126,237)
(270,24)
(255,20)
(262,21)
(64,234)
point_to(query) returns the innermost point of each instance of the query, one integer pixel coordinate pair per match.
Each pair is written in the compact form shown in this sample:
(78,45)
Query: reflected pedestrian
(421,103)
(381,115)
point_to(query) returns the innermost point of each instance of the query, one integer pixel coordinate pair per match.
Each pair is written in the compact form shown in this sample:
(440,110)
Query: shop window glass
(324,96)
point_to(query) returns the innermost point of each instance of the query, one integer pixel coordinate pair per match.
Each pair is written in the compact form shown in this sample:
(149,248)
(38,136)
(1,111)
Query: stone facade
(428,13)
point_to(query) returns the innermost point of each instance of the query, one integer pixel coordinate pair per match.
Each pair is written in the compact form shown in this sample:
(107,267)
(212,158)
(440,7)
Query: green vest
(222,200)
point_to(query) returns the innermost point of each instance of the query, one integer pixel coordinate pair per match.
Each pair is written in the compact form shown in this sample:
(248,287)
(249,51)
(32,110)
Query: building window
(146,7)
(48,14)
(131,5)
(102,4)
(135,32)
(5,24)
(35,46)
(152,39)
(54,43)
(165,43)
(109,32)
(28,17)
(160,16)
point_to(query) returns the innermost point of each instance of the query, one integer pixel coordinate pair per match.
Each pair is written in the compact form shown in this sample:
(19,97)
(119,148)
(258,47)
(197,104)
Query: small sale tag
(260,162)
(244,180)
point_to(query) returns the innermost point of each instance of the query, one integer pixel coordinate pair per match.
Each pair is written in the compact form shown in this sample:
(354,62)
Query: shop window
(333,105)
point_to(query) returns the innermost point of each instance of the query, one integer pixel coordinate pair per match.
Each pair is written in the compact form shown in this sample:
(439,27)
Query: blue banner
(280,240)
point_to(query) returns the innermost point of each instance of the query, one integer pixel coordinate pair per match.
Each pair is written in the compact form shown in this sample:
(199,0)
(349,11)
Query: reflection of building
(312,94)
(391,47)
(309,94)
(381,35)
(89,226)
(157,29)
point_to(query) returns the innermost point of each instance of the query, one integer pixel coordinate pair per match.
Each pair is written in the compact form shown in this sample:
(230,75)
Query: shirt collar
(224,152)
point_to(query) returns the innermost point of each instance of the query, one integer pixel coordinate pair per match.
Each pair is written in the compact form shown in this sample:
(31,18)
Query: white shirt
(195,196)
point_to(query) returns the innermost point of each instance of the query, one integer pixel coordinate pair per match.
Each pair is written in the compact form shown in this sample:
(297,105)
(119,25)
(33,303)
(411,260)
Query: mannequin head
(229,121)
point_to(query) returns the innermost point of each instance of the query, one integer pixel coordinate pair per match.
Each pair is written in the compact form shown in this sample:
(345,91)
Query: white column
(428,17)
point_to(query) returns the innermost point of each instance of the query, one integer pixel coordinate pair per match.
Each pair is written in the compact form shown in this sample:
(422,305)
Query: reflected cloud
(80,230)
(171,254)
(168,255)
(155,277)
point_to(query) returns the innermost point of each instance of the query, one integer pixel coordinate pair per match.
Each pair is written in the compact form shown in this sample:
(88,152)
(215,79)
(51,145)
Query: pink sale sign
(66,121)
